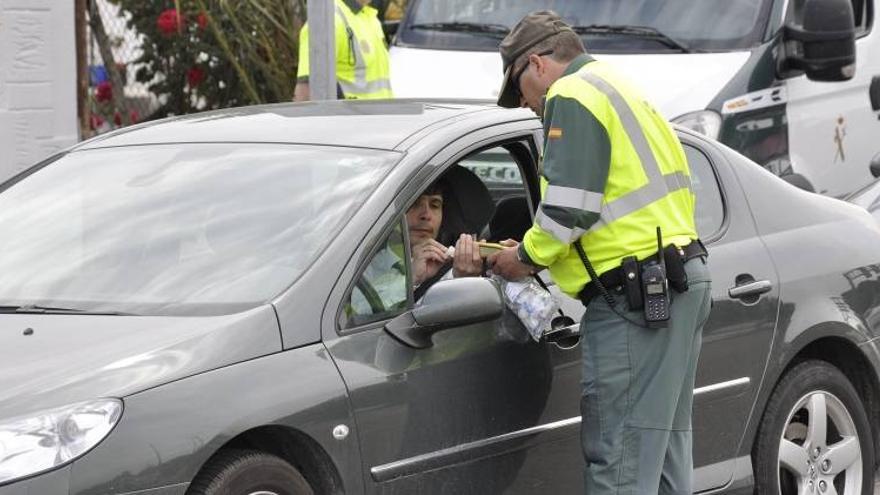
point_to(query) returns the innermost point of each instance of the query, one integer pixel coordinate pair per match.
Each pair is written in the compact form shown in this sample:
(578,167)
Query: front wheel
(814,438)
(248,472)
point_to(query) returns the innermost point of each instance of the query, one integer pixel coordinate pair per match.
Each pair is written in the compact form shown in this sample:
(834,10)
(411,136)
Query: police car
(730,69)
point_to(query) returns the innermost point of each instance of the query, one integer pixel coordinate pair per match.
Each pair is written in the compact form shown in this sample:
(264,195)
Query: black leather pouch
(632,283)
(675,273)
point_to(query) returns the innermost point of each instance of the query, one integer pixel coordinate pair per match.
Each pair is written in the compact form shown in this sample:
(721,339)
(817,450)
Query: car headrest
(467,207)
(511,220)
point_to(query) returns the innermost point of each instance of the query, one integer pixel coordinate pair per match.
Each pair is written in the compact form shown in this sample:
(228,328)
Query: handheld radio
(655,289)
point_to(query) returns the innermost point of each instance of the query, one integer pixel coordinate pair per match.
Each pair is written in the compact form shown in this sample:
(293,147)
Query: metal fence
(112,50)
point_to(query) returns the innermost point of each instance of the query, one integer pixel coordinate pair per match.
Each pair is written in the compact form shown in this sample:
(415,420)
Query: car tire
(248,472)
(814,406)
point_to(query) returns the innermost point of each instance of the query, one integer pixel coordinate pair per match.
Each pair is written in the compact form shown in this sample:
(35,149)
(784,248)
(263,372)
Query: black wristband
(523,256)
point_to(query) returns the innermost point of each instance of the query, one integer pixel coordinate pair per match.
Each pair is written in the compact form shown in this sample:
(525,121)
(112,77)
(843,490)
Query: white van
(728,68)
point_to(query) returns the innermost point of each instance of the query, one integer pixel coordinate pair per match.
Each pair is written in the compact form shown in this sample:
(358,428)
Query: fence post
(322,49)
(96,23)
(82,70)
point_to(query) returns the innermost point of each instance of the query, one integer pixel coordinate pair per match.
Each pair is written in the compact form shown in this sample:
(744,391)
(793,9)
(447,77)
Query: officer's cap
(531,30)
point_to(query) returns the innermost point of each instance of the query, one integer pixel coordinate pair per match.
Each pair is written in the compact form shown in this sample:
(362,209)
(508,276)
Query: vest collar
(576,64)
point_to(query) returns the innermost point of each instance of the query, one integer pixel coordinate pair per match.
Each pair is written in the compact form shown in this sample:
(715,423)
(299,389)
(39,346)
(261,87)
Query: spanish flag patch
(554,133)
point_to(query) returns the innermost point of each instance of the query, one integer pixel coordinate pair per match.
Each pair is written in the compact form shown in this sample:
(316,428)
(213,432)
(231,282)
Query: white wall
(38,114)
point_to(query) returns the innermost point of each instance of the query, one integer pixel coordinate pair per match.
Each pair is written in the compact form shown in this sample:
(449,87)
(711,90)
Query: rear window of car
(176,229)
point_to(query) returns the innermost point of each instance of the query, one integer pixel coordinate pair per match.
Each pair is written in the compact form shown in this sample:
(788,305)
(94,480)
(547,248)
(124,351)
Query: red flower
(132,117)
(202,20)
(195,76)
(104,91)
(169,22)
(95,121)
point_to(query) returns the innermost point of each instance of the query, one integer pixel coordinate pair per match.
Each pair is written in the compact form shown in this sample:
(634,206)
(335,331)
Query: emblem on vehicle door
(839,135)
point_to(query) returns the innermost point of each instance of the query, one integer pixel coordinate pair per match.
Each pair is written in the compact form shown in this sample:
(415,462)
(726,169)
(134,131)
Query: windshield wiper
(497,30)
(49,310)
(647,32)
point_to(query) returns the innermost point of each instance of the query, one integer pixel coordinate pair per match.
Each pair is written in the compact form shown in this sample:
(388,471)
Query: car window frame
(341,319)
(425,174)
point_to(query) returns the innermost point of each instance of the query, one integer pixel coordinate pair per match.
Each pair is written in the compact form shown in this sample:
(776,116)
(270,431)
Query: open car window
(499,168)
(487,196)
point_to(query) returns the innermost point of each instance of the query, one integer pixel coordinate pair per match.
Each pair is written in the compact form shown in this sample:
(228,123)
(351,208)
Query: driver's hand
(428,257)
(467,261)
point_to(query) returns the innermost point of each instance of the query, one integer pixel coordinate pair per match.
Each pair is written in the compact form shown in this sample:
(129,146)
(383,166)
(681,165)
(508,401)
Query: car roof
(379,124)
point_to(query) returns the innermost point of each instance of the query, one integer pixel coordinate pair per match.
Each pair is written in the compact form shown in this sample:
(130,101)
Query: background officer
(362,62)
(613,172)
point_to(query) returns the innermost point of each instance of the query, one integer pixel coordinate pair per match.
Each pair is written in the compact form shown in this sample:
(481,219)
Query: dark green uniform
(614,171)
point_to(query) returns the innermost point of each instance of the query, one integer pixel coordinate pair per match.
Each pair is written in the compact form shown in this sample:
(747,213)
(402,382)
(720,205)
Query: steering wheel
(370,295)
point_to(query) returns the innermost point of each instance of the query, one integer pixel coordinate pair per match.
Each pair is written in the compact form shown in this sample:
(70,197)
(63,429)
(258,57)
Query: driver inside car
(430,257)
(443,215)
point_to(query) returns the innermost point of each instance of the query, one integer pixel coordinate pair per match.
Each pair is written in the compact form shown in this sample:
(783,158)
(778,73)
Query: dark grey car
(190,306)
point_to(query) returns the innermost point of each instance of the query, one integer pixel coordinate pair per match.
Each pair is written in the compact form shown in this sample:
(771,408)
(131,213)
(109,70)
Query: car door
(833,126)
(740,328)
(485,409)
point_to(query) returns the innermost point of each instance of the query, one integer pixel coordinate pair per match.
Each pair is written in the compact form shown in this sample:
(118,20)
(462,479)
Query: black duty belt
(613,279)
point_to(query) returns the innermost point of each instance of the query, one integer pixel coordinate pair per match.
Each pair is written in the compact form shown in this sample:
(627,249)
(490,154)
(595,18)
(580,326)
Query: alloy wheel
(820,453)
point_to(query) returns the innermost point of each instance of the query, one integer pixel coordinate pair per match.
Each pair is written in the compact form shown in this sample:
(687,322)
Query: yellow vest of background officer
(362,62)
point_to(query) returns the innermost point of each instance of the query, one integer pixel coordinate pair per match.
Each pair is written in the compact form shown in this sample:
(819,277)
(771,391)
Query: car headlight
(48,439)
(706,122)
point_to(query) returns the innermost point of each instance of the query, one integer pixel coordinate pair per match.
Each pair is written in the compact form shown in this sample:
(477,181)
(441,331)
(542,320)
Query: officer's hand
(506,264)
(467,261)
(428,257)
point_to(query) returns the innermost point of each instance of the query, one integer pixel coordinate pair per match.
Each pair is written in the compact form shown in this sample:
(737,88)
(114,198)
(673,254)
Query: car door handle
(565,337)
(754,288)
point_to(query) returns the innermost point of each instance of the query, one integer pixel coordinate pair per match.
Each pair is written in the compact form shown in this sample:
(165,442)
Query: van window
(481,24)
(862,14)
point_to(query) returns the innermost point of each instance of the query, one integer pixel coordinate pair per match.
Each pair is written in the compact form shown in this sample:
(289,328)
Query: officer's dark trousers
(638,393)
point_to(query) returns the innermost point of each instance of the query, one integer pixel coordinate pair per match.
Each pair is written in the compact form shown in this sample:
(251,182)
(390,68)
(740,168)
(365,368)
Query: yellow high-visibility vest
(612,204)
(362,62)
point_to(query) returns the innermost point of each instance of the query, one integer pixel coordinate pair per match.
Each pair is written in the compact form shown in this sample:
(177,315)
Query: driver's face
(424,217)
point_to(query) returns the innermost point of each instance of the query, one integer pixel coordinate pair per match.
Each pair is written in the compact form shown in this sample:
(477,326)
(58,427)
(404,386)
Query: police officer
(613,171)
(362,64)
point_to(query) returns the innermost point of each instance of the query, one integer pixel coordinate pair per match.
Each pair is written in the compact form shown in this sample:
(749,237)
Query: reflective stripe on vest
(360,86)
(572,197)
(659,185)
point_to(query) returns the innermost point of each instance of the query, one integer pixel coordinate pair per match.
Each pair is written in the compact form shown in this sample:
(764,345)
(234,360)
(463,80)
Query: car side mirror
(447,304)
(823,46)
(875,166)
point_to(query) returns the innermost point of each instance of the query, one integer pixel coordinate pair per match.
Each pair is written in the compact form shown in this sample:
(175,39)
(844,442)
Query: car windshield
(183,229)
(707,25)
